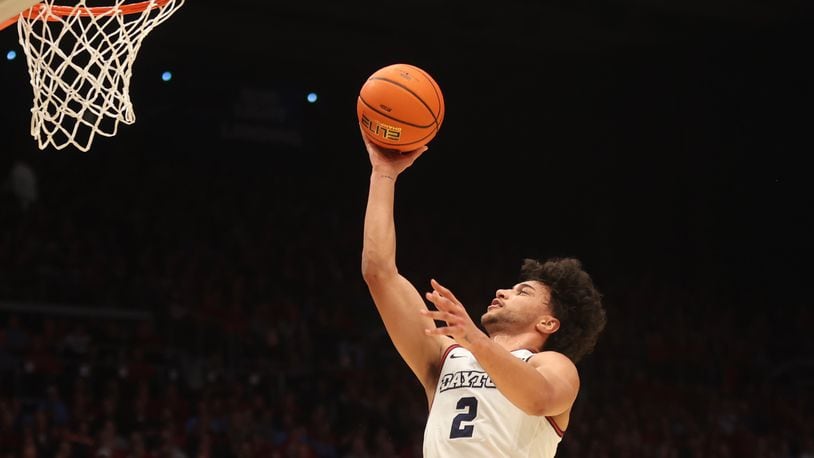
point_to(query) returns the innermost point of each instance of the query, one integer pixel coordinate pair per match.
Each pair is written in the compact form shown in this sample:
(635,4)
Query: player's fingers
(444,291)
(435,298)
(439,315)
(441,302)
(441,331)
(416,153)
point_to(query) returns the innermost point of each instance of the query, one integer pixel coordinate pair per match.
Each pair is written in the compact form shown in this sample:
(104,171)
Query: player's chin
(488,318)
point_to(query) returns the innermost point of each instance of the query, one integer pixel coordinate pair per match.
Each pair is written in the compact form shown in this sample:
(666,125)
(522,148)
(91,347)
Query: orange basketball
(400,107)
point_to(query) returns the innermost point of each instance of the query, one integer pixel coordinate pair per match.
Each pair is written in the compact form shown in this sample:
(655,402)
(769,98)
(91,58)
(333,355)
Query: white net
(80,61)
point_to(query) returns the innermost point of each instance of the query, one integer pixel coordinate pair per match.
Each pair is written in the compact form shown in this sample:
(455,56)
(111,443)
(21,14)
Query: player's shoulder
(551,356)
(555,361)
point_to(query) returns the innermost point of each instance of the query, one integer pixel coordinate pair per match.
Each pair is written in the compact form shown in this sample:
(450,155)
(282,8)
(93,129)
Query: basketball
(400,107)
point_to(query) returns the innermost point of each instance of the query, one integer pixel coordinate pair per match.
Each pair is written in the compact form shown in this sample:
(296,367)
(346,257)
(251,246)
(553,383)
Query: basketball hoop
(80,60)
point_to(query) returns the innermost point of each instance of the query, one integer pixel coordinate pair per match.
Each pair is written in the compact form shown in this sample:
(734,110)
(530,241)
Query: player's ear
(548,325)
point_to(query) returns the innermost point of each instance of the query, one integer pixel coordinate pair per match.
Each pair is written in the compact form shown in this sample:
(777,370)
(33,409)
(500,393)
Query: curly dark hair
(575,301)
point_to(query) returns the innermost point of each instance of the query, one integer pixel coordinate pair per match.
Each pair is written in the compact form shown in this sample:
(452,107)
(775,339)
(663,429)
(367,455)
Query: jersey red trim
(554,425)
(444,356)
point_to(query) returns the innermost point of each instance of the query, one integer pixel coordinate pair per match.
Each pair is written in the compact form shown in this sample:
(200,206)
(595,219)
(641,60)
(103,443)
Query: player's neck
(513,342)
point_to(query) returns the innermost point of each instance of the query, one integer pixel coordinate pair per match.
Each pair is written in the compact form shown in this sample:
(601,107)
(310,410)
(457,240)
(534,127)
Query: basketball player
(508,393)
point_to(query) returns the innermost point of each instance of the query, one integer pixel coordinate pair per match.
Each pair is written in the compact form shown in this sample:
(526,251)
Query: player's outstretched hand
(388,161)
(459,324)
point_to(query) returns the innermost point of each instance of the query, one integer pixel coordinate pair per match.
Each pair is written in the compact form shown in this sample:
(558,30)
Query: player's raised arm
(397,300)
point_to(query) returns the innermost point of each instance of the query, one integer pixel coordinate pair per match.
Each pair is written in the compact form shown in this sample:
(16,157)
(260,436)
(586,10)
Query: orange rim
(58,12)
(7,23)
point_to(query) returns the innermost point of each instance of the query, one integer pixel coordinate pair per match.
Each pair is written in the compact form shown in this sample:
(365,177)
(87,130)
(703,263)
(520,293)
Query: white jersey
(470,418)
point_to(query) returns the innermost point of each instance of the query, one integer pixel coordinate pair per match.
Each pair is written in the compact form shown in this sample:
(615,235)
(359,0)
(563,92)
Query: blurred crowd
(255,335)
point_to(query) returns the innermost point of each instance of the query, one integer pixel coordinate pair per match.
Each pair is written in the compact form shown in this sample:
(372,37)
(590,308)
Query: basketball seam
(438,96)
(400,120)
(434,116)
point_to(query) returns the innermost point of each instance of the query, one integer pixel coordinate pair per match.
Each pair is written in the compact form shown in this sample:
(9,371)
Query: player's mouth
(494,305)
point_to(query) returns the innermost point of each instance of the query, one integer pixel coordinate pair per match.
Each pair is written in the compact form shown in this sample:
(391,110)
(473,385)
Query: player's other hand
(459,324)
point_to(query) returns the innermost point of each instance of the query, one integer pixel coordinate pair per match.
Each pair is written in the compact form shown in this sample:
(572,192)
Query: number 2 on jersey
(471,406)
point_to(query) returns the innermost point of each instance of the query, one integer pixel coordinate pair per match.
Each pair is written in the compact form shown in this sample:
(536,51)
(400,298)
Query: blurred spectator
(22,183)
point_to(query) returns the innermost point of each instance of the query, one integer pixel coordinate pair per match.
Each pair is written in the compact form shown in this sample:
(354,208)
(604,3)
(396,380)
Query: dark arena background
(191,287)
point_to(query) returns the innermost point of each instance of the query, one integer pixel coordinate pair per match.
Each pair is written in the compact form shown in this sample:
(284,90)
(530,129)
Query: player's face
(520,307)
